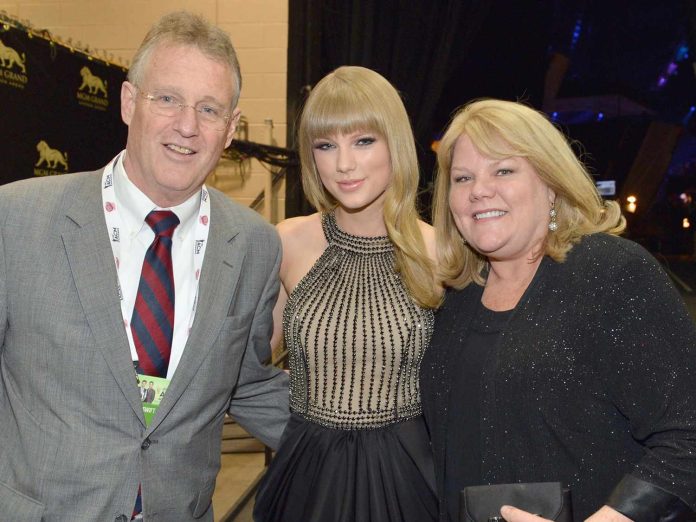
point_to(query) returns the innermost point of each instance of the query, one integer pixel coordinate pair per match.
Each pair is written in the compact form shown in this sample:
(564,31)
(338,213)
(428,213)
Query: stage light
(577,32)
(686,223)
(682,53)
(632,204)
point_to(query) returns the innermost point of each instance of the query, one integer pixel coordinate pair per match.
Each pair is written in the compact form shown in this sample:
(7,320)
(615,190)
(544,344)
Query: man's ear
(234,122)
(128,94)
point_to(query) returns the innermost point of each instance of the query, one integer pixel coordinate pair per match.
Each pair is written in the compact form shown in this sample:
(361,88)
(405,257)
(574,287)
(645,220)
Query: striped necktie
(152,323)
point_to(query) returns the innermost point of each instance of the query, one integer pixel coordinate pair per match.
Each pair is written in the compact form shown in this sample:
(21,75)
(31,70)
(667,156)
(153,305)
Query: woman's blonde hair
(500,129)
(352,99)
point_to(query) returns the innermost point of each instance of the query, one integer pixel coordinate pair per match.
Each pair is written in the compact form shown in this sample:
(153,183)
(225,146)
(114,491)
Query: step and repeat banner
(59,107)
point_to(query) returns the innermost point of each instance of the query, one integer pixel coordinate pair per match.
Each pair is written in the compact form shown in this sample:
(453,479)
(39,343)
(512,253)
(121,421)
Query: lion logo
(51,157)
(92,83)
(10,57)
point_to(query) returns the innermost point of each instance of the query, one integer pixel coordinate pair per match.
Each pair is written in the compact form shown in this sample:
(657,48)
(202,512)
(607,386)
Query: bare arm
(277,336)
(303,243)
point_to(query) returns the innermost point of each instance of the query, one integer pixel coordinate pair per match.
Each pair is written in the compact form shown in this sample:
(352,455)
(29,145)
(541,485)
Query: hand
(605,514)
(513,514)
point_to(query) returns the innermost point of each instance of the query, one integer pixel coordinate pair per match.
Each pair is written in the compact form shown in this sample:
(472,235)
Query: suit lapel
(91,261)
(224,255)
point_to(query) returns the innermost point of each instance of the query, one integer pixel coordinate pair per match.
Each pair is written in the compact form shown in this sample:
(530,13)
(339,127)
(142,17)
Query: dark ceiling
(619,66)
(637,51)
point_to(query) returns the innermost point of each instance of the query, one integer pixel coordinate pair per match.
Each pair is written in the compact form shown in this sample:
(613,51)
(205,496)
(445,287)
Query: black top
(464,435)
(593,384)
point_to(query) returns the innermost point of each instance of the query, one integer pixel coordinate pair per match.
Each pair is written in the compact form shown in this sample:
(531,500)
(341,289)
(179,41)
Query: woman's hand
(605,514)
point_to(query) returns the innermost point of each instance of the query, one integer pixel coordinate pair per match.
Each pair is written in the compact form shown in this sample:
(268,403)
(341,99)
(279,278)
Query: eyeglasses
(210,115)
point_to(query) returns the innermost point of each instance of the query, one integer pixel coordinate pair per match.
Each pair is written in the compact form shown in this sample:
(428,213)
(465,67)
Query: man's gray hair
(184,28)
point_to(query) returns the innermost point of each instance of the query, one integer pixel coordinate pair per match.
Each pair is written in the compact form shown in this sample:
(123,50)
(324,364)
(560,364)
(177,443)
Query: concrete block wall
(259,31)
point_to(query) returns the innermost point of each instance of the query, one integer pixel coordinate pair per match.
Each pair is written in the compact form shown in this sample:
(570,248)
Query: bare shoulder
(303,243)
(302,230)
(428,233)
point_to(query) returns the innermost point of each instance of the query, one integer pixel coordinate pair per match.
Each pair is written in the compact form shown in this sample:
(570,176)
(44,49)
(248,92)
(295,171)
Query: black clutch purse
(546,499)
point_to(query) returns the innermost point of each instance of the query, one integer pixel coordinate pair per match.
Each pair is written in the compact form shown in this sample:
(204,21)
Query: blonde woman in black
(356,310)
(561,352)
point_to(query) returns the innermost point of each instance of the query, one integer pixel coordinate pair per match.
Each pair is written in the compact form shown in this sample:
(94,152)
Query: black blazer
(594,384)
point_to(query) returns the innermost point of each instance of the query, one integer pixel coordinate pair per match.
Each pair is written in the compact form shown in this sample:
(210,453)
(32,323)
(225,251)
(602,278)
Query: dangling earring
(553,224)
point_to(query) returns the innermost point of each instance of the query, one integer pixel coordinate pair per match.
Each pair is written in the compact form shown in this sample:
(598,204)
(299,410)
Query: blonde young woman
(562,352)
(356,309)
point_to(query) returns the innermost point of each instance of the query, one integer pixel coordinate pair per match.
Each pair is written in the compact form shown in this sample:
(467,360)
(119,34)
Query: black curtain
(59,107)
(415,44)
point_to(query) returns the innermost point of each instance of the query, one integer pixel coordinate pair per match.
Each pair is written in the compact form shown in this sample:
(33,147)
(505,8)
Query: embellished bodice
(354,336)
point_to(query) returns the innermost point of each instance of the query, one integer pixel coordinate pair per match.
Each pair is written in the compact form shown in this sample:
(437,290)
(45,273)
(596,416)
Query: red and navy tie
(152,323)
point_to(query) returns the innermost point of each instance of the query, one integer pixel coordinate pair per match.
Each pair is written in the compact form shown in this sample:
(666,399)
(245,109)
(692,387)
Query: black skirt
(332,475)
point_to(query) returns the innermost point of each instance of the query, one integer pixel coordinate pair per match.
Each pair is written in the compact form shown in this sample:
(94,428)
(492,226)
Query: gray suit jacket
(67,455)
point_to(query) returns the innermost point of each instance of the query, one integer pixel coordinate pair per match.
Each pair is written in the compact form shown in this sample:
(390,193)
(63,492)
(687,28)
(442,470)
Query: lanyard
(113,223)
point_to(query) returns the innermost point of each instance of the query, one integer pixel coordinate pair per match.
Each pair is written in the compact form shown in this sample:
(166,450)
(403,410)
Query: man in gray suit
(71,254)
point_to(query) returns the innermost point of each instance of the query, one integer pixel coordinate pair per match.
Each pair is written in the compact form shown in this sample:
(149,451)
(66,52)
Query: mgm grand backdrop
(45,88)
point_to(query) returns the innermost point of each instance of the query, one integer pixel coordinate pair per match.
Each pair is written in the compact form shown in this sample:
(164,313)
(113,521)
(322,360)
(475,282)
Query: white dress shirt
(136,236)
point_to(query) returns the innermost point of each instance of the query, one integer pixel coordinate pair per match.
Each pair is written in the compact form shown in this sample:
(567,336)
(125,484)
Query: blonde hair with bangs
(352,99)
(501,129)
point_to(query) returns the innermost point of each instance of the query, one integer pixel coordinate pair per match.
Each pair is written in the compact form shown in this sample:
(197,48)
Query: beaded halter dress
(355,337)
(356,447)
